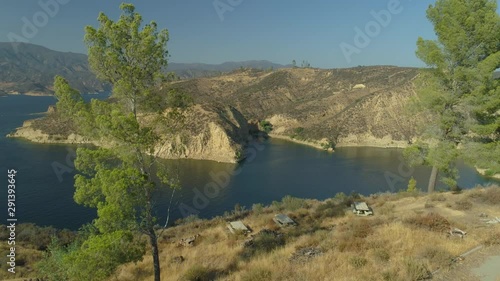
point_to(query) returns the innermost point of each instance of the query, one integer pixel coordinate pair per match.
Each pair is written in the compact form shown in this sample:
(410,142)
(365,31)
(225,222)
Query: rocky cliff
(363,106)
(210,131)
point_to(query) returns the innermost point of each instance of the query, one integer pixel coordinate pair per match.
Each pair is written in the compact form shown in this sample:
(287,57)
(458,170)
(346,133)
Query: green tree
(412,185)
(91,259)
(120,180)
(294,64)
(69,100)
(457,89)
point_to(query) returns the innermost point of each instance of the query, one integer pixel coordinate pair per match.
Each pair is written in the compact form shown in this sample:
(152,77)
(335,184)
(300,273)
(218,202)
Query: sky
(325,33)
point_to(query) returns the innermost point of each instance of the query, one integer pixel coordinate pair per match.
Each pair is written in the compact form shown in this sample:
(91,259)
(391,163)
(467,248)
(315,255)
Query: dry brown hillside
(407,239)
(314,104)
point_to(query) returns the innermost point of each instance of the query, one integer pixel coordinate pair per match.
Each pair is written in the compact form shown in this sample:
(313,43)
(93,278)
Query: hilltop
(30,69)
(324,108)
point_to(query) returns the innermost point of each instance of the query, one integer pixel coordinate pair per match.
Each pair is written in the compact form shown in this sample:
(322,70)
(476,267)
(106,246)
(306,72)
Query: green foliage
(298,133)
(178,99)
(96,258)
(53,266)
(69,100)
(266,126)
(458,90)
(120,180)
(128,57)
(327,145)
(113,249)
(412,185)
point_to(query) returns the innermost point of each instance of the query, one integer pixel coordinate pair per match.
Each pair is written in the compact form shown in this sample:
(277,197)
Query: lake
(274,168)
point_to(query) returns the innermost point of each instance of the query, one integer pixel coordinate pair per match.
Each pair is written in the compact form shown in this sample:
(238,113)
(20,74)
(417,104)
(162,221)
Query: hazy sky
(211,31)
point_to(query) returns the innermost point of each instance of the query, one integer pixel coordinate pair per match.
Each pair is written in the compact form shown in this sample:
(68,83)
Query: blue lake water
(274,169)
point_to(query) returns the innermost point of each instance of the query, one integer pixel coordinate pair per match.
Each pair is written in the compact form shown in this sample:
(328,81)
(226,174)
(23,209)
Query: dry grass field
(406,239)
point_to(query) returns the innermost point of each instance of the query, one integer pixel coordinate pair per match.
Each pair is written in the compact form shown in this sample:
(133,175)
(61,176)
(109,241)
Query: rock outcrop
(210,132)
(320,107)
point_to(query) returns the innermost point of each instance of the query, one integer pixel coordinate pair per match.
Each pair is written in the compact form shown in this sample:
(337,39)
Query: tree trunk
(153,240)
(432,180)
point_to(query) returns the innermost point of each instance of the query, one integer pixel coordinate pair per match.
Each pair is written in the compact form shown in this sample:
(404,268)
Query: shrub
(386,209)
(266,126)
(358,262)
(382,254)
(428,205)
(463,205)
(257,209)
(328,210)
(416,270)
(390,276)
(492,195)
(257,274)
(437,197)
(353,234)
(298,133)
(340,196)
(437,255)
(264,242)
(290,203)
(431,221)
(412,185)
(198,273)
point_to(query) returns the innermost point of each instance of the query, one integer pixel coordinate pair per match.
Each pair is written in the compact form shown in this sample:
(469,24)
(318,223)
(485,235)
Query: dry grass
(405,240)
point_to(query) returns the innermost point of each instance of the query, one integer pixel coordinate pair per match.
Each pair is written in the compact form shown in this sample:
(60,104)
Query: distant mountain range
(194,70)
(30,69)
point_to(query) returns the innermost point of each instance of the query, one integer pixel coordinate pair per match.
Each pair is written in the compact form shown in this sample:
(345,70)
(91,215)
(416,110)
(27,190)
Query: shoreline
(315,144)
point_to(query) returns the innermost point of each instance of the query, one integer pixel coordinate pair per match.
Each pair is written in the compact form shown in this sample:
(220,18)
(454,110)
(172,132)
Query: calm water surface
(276,169)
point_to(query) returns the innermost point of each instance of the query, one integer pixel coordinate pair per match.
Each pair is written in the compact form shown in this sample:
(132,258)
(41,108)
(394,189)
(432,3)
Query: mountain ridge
(30,69)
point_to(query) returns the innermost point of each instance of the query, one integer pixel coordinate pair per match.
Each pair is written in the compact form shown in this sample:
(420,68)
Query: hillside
(354,106)
(406,239)
(331,243)
(30,69)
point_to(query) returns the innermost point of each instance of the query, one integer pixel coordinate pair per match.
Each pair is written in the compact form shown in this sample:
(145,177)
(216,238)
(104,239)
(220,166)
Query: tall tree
(457,89)
(121,179)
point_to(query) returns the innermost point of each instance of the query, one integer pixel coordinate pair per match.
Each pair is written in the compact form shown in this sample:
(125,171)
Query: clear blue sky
(275,30)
